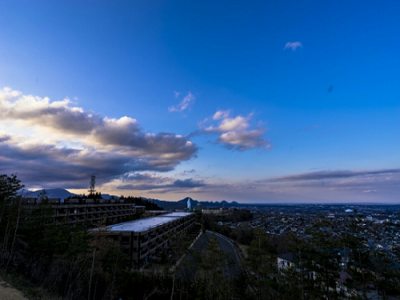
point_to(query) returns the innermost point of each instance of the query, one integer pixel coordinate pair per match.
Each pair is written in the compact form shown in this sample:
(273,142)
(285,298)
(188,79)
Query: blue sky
(224,99)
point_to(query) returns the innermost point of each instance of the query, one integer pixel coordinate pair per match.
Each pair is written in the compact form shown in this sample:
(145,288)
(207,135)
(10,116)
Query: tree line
(323,265)
(150,205)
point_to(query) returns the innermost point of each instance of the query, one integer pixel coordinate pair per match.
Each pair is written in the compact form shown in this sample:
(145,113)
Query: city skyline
(248,102)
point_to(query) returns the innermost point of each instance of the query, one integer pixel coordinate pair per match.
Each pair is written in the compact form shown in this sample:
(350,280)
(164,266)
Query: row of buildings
(378,225)
(140,239)
(76,210)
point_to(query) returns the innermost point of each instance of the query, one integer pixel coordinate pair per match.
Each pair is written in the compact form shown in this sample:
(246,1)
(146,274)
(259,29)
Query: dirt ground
(244,249)
(7,292)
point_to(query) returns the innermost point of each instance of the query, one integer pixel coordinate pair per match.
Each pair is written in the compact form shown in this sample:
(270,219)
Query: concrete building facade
(75,210)
(144,239)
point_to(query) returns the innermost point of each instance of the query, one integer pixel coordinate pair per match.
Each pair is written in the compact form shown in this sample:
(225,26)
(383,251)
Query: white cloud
(186,102)
(221,114)
(244,140)
(230,124)
(293,45)
(235,132)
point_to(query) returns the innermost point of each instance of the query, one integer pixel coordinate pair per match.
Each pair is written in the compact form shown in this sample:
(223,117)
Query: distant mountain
(181,204)
(60,193)
(51,193)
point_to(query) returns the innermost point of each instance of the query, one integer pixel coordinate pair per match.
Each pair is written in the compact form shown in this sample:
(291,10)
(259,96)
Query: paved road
(188,267)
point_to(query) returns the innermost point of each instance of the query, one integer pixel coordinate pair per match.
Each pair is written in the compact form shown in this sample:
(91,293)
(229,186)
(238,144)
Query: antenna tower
(92,184)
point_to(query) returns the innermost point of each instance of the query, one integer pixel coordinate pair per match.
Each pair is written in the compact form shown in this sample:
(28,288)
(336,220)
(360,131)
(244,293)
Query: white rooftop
(178,214)
(148,223)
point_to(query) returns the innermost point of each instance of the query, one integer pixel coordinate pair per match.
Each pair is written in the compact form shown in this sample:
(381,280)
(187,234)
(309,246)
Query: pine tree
(261,259)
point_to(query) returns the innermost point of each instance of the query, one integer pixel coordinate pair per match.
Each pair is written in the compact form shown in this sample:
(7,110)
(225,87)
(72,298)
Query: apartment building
(76,210)
(144,239)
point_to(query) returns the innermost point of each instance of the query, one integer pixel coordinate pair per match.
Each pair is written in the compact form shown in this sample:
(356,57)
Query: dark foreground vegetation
(323,266)
(149,205)
(63,262)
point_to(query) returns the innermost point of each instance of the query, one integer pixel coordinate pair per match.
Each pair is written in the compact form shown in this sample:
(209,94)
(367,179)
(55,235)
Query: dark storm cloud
(332,175)
(137,177)
(187,172)
(38,164)
(4,138)
(187,183)
(61,117)
(108,148)
(177,184)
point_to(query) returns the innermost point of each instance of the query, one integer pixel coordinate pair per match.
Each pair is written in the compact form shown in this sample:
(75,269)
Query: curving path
(7,292)
(188,266)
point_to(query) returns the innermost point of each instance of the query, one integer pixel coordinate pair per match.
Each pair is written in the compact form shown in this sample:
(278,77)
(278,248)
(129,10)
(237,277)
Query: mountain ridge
(179,204)
(60,193)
